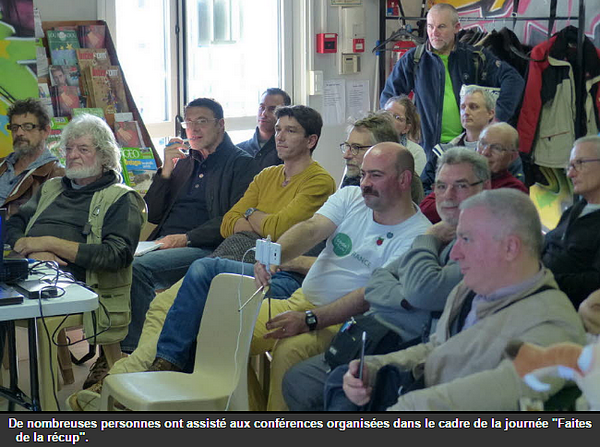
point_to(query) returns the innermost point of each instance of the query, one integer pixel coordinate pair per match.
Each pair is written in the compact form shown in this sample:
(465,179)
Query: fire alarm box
(358,45)
(327,43)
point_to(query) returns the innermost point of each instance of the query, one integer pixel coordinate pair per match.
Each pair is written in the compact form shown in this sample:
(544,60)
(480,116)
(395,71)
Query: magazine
(139,167)
(62,75)
(62,45)
(65,99)
(57,124)
(128,134)
(92,36)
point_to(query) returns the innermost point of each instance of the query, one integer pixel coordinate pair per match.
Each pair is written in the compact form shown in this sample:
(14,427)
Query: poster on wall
(17,60)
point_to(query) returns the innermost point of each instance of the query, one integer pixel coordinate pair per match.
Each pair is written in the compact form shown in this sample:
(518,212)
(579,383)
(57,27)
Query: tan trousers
(286,352)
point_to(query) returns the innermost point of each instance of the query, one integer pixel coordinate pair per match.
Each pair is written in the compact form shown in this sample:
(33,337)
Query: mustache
(367,190)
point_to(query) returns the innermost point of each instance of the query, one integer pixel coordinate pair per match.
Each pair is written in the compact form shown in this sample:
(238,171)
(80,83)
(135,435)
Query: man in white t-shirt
(365,228)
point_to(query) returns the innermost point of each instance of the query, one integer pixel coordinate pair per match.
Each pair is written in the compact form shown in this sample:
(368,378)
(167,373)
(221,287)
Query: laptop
(8,295)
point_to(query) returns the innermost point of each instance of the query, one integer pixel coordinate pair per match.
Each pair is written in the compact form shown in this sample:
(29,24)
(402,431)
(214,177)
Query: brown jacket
(29,184)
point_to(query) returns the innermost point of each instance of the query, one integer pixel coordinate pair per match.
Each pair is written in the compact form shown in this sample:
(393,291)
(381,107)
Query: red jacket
(546,123)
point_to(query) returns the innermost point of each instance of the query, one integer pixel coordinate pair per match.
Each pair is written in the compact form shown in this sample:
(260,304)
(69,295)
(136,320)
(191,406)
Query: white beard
(82,172)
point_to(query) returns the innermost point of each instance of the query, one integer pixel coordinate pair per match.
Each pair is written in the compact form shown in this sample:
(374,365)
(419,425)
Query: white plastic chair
(219,380)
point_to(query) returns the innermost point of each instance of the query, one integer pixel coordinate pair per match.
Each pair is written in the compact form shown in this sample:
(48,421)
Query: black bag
(346,344)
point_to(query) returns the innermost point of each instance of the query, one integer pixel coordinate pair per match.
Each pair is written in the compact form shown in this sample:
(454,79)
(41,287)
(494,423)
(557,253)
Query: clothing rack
(551,18)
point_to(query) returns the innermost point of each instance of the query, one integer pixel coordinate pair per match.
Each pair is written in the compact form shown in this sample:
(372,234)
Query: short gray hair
(488,96)
(516,211)
(458,155)
(449,8)
(102,137)
(594,139)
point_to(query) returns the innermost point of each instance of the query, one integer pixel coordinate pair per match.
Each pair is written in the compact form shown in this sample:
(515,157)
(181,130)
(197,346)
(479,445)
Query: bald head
(396,154)
(499,143)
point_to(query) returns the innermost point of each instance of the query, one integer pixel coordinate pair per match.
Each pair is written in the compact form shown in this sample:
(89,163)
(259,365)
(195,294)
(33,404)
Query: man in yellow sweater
(278,197)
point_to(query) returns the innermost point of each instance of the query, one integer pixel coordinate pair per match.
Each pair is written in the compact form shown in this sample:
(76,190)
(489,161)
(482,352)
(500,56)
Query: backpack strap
(416,58)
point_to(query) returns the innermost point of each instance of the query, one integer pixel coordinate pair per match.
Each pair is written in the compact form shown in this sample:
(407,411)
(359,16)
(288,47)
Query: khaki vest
(110,322)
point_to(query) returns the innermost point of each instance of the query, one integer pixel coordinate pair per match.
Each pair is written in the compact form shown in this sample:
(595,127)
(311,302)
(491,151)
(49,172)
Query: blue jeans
(334,396)
(156,270)
(176,343)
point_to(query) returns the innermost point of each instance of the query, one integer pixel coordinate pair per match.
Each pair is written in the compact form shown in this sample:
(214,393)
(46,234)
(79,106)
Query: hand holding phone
(361,363)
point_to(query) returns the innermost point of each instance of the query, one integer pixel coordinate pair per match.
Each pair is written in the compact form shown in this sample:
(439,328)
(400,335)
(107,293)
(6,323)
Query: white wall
(52,10)
(327,19)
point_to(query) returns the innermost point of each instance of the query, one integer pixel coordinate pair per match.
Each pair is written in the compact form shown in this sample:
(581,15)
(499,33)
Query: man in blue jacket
(437,71)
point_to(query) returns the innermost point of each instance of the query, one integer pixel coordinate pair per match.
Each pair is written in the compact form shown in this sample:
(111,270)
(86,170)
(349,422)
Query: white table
(76,299)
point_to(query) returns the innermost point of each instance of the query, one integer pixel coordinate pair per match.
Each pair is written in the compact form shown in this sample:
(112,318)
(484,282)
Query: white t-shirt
(358,246)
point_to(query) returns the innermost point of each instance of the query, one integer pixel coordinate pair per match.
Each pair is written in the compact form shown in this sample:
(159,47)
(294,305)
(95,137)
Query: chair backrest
(223,343)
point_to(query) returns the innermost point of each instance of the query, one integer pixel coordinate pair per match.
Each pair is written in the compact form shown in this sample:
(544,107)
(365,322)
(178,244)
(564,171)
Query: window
(231,50)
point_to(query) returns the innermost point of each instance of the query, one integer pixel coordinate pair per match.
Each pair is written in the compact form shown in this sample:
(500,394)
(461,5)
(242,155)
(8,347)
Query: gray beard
(84,172)
(26,150)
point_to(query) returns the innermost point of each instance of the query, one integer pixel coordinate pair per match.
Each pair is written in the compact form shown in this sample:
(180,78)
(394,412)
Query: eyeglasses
(578,164)
(28,127)
(440,187)
(202,122)
(496,148)
(353,148)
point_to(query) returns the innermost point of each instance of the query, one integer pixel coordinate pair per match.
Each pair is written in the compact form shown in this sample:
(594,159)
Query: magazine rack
(112,53)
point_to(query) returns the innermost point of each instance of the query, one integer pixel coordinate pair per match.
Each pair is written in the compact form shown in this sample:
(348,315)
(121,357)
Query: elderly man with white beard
(88,221)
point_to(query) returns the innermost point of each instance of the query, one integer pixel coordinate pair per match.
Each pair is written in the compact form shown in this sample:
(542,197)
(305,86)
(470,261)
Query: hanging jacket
(546,125)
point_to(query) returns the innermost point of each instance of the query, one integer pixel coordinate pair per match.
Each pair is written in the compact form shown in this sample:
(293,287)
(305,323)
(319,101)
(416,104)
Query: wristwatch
(311,320)
(249,212)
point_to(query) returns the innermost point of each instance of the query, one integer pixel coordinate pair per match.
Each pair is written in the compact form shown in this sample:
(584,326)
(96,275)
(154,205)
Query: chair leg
(64,359)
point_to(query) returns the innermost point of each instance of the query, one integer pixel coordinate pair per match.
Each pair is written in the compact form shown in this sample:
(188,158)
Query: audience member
(572,249)
(187,200)
(506,294)
(31,163)
(88,222)
(408,126)
(262,144)
(477,110)
(406,295)
(498,143)
(445,58)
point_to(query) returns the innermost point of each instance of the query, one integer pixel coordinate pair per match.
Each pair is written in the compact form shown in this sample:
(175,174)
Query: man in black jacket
(187,200)
(572,249)
(262,144)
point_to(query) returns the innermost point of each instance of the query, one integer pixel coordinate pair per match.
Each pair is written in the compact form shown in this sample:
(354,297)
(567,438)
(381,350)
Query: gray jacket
(404,294)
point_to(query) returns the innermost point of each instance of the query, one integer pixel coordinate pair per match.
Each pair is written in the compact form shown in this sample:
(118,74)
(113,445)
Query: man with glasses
(572,249)
(498,143)
(405,296)
(362,135)
(262,144)
(200,180)
(31,163)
